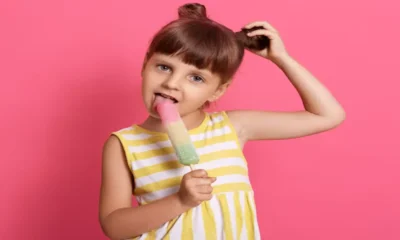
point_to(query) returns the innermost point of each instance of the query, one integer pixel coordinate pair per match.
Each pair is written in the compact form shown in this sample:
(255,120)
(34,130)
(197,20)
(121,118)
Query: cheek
(148,82)
(152,79)
(198,94)
(147,90)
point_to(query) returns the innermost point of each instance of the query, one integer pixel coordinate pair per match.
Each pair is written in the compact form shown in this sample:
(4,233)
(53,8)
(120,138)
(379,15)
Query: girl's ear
(219,92)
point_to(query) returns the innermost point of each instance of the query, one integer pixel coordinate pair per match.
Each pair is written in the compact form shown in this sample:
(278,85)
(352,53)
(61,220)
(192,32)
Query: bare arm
(117,217)
(321,110)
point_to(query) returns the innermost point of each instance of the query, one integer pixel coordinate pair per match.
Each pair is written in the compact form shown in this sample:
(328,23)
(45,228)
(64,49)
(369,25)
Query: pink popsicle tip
(167,110)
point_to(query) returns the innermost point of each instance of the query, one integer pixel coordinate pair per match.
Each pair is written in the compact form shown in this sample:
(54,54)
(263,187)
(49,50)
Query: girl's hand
(195,188)
(276,50)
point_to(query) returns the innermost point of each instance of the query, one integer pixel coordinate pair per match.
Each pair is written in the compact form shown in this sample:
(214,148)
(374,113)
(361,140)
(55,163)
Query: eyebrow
(160,58)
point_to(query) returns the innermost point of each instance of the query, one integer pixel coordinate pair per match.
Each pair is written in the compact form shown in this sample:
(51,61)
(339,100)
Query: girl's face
(189,87)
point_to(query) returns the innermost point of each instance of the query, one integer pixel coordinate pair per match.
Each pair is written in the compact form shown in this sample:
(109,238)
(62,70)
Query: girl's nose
(172,82)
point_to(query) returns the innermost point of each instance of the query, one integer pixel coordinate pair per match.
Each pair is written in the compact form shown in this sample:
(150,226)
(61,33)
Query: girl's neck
(191,121)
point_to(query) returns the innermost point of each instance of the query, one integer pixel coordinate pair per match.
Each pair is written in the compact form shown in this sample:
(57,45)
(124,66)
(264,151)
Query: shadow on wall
(90,102)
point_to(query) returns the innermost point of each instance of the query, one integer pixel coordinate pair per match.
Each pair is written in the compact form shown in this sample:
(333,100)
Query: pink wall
(70,76)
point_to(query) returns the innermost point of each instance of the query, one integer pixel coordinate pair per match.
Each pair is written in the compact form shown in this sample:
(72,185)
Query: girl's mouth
(166,97)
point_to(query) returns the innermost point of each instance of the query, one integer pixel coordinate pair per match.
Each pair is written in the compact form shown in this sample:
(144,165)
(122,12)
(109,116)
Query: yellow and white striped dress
(230,214)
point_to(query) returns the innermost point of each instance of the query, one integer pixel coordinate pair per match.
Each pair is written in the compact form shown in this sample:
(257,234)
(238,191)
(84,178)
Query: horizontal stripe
(212,133)
(222,162)
(217,147)
(132,136)
(232,187)
(233,178)
(229,153)
(150,140)
(149,197)
(174,169)
(158,177)
(167,162)
(127,129)
(147,162)
(130,133)
(234,181)
(159,185)
(173,165)
(148,145)
(162,155)
(157,168)
(233,170)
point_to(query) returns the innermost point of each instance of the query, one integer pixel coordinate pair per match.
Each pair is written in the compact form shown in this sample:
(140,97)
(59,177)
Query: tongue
(160,99)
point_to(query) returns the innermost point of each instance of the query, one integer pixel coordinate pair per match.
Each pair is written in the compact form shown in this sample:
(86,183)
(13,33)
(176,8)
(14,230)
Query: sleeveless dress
(229,215)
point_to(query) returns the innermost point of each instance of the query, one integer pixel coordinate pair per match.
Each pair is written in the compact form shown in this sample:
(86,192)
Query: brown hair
(204,43)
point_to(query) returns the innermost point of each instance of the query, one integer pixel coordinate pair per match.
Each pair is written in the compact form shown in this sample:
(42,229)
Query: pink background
(70,76)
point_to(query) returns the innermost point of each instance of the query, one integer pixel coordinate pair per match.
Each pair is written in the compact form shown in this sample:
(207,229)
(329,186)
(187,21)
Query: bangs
(205,45)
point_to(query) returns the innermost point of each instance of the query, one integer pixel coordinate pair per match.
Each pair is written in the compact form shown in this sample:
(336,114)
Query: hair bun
(192,10)
(253,43)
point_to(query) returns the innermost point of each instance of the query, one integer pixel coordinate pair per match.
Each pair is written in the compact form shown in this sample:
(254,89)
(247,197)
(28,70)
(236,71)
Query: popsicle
(177,132)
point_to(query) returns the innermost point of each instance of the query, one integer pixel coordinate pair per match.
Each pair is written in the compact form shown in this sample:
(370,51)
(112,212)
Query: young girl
(191,61)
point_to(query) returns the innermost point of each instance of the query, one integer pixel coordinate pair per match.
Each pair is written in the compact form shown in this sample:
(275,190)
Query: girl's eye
(197,79)
(163,68)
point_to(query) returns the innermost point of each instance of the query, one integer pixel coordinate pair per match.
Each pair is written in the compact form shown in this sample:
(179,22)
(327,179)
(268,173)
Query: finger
(204,189)
(204,181)
(263,24)
(267,33)
(198,173)
(205,197)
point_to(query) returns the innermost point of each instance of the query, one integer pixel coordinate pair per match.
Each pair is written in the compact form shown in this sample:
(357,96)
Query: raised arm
(321,110)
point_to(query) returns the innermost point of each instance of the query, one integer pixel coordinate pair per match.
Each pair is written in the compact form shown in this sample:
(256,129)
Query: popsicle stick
(191,167)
